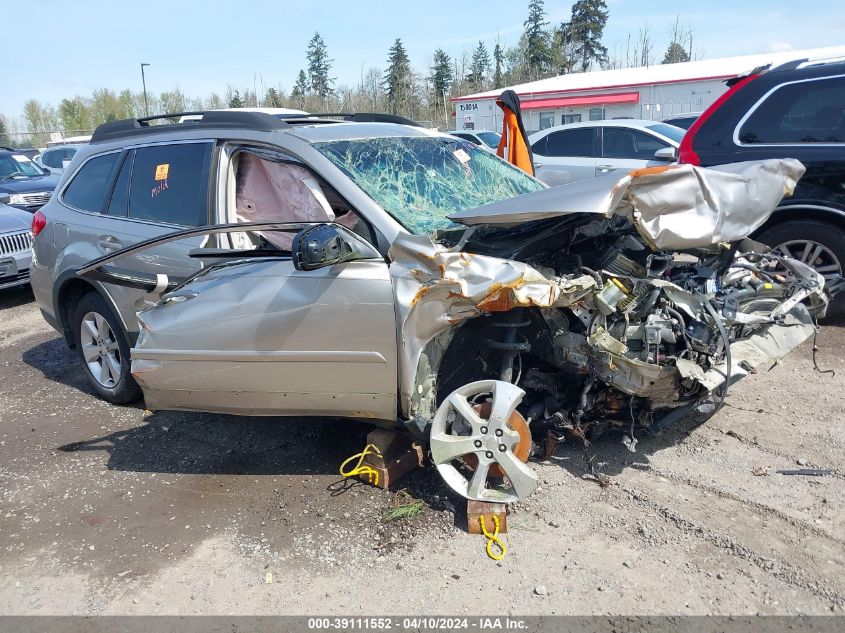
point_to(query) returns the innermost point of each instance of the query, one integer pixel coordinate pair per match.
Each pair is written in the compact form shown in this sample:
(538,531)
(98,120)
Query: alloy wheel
(816,255)
(100,349)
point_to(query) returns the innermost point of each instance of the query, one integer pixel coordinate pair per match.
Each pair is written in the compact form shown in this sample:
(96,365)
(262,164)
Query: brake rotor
(516,423)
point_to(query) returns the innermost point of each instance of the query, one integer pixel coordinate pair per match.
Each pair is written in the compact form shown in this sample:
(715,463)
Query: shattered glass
(421,181)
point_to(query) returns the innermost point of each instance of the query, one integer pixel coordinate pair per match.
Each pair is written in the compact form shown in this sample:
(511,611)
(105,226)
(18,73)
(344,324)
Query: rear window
(802,112)
(87,190)
(669,131)
(169,184)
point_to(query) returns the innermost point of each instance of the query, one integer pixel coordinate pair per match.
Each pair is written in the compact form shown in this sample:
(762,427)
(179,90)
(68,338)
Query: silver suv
(248,264)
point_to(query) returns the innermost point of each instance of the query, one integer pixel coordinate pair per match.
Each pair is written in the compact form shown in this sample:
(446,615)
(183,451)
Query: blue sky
(59,48)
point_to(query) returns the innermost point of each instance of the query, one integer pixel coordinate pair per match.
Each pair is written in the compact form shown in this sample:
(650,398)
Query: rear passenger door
(566,156)
(626,148)
(150,190)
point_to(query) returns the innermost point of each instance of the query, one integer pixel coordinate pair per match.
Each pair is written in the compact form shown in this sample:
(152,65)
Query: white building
(650,92)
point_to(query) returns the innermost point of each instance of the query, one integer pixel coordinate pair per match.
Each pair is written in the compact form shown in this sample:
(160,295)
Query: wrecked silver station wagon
(626,303)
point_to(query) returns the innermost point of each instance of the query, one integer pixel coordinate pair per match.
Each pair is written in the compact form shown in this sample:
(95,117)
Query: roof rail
(257,121)
(356,117)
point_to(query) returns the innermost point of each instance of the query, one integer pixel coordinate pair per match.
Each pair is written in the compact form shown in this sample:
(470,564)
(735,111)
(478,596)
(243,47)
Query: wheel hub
(100,349)
(493,444)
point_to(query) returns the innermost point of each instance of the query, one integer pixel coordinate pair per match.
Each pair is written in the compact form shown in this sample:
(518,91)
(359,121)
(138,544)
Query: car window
(803,112)
(119,202)
(578,142)
(674,132)
(50,158)
(626,143)
(87,190)
(491,139)
(469,137)
(421,181)
(278,190)
(169,184)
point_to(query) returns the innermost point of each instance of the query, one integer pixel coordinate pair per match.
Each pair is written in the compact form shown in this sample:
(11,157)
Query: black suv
(795,110)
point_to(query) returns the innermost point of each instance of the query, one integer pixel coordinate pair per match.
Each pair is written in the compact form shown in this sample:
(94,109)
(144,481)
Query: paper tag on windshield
(462,156)
(161,171)
(21,158)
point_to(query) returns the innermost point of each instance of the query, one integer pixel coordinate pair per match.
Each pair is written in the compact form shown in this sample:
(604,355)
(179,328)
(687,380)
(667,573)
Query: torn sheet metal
(437,288)
(672,206)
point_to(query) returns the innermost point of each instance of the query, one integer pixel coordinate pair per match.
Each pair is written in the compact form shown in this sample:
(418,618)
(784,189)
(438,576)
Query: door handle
(538,165)
(109,243)
(606,167)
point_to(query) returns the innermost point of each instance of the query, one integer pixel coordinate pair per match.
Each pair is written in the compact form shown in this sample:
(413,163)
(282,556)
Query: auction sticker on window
(462,156)
(162,170)
(21,158)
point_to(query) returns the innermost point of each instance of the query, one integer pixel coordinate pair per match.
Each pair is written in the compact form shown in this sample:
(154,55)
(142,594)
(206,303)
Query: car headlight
(17,198)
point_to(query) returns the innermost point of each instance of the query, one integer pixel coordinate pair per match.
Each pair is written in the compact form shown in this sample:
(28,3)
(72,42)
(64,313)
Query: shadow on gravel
(202,443)
(609,456)
(58,363)
(14,297)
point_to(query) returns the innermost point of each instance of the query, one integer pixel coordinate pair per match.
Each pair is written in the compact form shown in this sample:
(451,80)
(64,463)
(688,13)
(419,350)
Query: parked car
(15,245)
(245,264)
(683,121)
(483,138)
(794,110)
(55,158)
(578,151)
(29,186)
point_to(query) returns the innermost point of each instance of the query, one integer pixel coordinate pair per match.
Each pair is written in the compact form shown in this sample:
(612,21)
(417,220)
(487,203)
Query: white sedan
(580,151)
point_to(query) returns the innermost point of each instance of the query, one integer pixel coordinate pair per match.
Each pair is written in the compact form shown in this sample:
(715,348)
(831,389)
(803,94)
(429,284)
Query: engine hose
(592,273)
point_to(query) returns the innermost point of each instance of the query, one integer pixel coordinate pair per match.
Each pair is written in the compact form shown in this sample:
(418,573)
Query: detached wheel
(817,244)
(103,350)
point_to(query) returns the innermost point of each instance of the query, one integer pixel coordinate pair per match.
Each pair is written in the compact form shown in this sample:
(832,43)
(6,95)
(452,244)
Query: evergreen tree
(498,62)
(478,67)
(299,89)
(440,77)
(234,100)
(272,98)
(538,52)
(398,82)
(319,66)
(583,34)
(676,53)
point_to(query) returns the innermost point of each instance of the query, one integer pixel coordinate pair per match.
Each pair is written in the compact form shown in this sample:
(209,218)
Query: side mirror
(324,245)
(5,198)
(666,153)
(46,171)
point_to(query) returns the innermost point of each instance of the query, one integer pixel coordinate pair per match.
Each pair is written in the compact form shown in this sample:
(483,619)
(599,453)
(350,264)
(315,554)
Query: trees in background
(319,66)
(398,81)
(574,45)
(441,80)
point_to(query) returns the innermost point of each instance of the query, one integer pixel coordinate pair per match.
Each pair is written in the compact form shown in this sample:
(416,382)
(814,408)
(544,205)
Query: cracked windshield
(422,180)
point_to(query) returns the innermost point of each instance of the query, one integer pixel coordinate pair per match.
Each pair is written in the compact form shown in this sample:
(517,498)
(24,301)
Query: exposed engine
(656,337)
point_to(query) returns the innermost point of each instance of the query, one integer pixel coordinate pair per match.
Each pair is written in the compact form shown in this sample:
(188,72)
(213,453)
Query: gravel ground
(115,510)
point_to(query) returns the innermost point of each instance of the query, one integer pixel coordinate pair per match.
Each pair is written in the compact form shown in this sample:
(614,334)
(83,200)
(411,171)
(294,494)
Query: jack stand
(477,509)
(399,456)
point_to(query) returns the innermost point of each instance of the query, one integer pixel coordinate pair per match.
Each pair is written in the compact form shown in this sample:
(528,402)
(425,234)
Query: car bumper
(14,270)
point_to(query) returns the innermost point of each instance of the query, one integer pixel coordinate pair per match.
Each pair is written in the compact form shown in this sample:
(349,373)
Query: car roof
(344,131)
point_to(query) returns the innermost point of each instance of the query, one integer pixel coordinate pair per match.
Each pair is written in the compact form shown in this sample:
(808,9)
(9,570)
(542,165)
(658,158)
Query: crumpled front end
(632,315)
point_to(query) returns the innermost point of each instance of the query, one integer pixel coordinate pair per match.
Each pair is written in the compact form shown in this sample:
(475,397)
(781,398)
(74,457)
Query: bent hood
(13,219)
(672,206)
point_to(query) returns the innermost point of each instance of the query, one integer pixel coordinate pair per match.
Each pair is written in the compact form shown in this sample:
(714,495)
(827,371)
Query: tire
(791,237)
(102,348)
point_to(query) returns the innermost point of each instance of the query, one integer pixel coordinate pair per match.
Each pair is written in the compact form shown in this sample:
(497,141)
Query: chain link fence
(32,143)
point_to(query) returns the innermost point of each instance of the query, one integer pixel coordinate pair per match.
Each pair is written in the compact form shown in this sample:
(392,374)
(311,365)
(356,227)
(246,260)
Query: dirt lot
(107,510)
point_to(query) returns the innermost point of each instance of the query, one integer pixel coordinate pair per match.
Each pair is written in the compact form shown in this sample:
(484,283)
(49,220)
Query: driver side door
(254,334)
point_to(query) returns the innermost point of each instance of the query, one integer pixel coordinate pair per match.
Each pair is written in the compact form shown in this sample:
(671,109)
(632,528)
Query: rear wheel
(817,244)
(103,350)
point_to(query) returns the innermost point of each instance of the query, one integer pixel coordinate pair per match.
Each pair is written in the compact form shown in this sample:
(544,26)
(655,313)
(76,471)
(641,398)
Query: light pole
(144,82)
